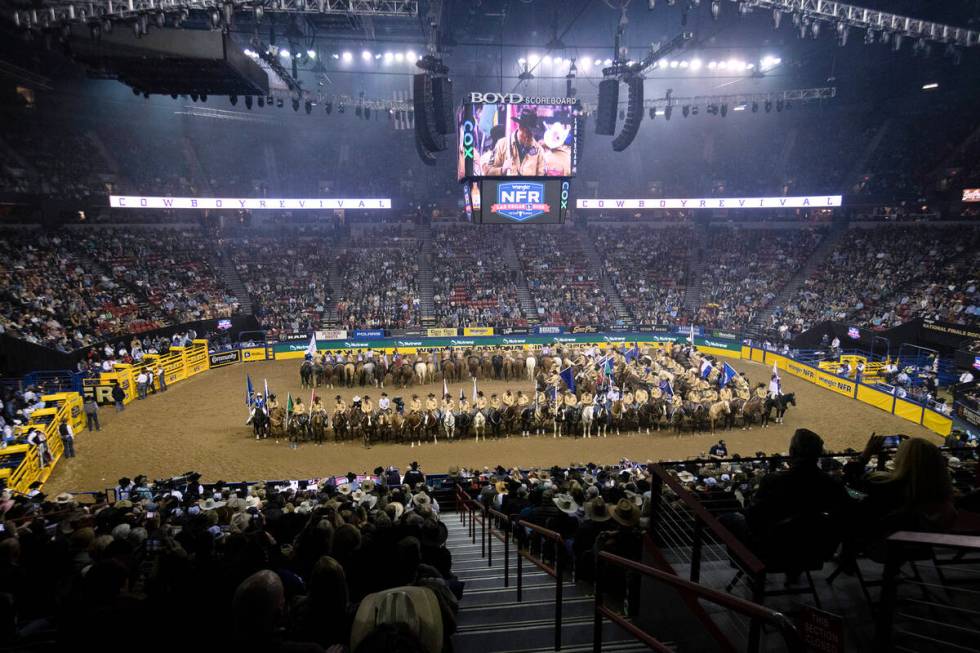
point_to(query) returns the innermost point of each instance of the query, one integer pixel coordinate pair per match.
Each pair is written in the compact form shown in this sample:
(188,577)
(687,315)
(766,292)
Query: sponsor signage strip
(246,203)
(808,201)
(222,358)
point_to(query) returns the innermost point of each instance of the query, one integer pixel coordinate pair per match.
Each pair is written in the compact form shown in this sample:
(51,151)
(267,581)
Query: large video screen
(523,201)
(516,140)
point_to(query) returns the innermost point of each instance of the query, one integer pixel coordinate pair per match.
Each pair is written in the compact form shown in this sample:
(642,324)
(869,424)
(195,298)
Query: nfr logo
(520,200)
(467,138)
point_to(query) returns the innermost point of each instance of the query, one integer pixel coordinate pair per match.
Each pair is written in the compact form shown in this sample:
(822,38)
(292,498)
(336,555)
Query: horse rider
(641,396)
(339,406)
(298,407)
(612,396)
(570,400)
(541,398)
(384,404)
(495,402)
(508,399)
(725,394)
(523,401)
(760,391)
(464,406)
(367,406)
(415,406)
(628,400)
(775,387)
(317,406)
(432,405)
(481,403)
(586,398)
(447,406)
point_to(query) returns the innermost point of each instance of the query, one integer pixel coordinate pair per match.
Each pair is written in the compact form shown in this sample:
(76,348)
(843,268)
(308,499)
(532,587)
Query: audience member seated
(379,286)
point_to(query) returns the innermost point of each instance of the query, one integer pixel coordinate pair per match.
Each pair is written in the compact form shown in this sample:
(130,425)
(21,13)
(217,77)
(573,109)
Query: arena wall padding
(876,398)
(908,410)
(935,422)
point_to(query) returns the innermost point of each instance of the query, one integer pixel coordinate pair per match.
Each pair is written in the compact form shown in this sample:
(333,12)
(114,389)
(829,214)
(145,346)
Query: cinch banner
(441,333)
(370,333)
(478,331)
(549,329)
(246,203)
(224,358)
(810,201)
(331,334)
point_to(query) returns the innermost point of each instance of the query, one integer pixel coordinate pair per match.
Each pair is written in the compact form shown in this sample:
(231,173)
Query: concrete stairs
(509,254)
(599,271)
(233,282)
(789,289)
(490,619)
(423,233)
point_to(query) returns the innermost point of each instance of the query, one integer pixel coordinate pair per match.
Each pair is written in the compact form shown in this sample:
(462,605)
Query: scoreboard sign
(523,201)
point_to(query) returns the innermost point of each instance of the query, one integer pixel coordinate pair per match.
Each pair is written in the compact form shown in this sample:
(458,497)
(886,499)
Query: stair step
(538,635)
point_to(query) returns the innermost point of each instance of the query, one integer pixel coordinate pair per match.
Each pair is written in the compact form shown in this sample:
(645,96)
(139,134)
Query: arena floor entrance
(200,425)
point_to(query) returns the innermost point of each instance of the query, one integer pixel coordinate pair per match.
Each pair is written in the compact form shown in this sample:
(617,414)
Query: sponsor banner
(968,414)
(619,327)
(253,354)
(478,331)
(331,334)
(952,329)
(836,384)
(412,333)
(101,393)
(807,201)
(515,330)
(724,334)
(245,203)
(585,329)
(223,358)
(368,333)
(441,333)
(549,329)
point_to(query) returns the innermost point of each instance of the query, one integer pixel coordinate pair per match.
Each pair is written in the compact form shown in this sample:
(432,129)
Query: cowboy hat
(626,513)
(566,504)
(413,609)
(634,497)
(64,497)
(501,487)
(685,477)
(596,510)
(210,504)
(368,485)
(252,501)
(396,508)
(344,488)
(421,500)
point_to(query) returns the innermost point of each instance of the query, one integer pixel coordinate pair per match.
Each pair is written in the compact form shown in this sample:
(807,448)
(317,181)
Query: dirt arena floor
(199,425)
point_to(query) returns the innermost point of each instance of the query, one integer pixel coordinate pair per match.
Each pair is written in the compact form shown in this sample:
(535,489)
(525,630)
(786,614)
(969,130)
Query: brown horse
(719,411)
(752,409)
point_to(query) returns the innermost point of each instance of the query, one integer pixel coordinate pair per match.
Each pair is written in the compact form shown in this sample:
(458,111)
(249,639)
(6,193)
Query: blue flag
(705,369)
(568,376)
(727,374)
(553,391)
(665,388)
(249,391)
(633,354)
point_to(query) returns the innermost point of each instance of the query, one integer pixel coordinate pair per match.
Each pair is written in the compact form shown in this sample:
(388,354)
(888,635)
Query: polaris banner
(370,333)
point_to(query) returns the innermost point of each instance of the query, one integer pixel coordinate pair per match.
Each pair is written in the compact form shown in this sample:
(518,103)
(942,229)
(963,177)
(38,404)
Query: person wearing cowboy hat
(597,521)
(339,406)
(519,154)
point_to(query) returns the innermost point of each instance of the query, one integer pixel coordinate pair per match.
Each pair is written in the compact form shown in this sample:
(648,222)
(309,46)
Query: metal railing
(692,592)
(556,571)
(944,614)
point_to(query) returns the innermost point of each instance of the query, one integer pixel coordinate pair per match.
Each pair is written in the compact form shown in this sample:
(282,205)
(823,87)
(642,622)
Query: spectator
(91,408)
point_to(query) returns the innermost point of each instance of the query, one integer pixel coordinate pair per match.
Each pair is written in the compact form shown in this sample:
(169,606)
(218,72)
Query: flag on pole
(462,395)
(727,374)
(289,404)
(554,392)
(666,388)
(568,376)
(311,348)
(474,389)
(705,368)
(445,388)
(775,370)
(265,383)
(690,338)
(249,391)
(634,353)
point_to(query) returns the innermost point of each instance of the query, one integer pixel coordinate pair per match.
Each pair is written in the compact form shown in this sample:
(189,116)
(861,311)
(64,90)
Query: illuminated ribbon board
(809,201)
(246,203)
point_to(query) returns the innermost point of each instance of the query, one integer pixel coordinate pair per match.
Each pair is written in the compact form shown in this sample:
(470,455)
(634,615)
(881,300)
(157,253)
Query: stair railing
(524,529)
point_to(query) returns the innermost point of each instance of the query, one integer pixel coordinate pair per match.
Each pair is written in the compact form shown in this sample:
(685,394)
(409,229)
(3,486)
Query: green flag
(289,404)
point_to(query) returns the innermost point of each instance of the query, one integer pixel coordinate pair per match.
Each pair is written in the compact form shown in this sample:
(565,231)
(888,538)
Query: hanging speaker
(442,102)
(424,110)
(634,115)
(605,123)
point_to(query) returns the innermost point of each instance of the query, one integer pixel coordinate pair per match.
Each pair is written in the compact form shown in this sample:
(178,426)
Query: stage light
(712,65)
(598,62)
(377,55)
(389,57)
(740,107)
(335,55)
(311,54)
(930,86)
(674,63)
(347,57)
(411,57)
(660,112)
(749,66)
(284,53)
(533,60)
(607,62)
(547,60)
(399,57)
(684,64)
(722,65)
(695,64)
(585,62)
(366,55)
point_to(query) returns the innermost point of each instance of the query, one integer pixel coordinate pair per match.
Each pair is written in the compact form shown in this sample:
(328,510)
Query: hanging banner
(809,201)
(245,203)
(478,331)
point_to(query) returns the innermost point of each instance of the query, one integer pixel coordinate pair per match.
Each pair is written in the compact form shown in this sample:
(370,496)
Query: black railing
(692,592)
(556,571)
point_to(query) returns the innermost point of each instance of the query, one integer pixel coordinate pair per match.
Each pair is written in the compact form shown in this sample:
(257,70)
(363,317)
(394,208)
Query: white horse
(587,418)
(480,426)
(421,371)
(449,423)
(530,364)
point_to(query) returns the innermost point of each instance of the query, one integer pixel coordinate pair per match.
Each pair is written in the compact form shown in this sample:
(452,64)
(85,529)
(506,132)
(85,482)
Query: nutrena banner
(808,201)
(245,203)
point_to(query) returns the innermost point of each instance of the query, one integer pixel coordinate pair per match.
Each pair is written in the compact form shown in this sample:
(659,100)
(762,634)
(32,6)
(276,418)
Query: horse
(527,420)
(720,410)
(318,425)
(362,424)
(421,370)
(306,374)
(367,374)
(529,364)
(480,426)
(341,426)
(603,419)
(510,417)
(462,424)
(752,408)
(781,404)
(587,418)
(298,429)
(350,373)
(277,418)
(449,425)
(495,421)
(260,422)
(412,425)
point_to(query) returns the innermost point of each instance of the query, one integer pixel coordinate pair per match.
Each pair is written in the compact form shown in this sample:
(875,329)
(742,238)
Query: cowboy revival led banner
(809,201)
(245,203)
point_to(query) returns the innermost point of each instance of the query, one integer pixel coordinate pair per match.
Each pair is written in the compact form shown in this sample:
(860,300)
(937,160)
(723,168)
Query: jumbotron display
(523,201)
(516,140)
